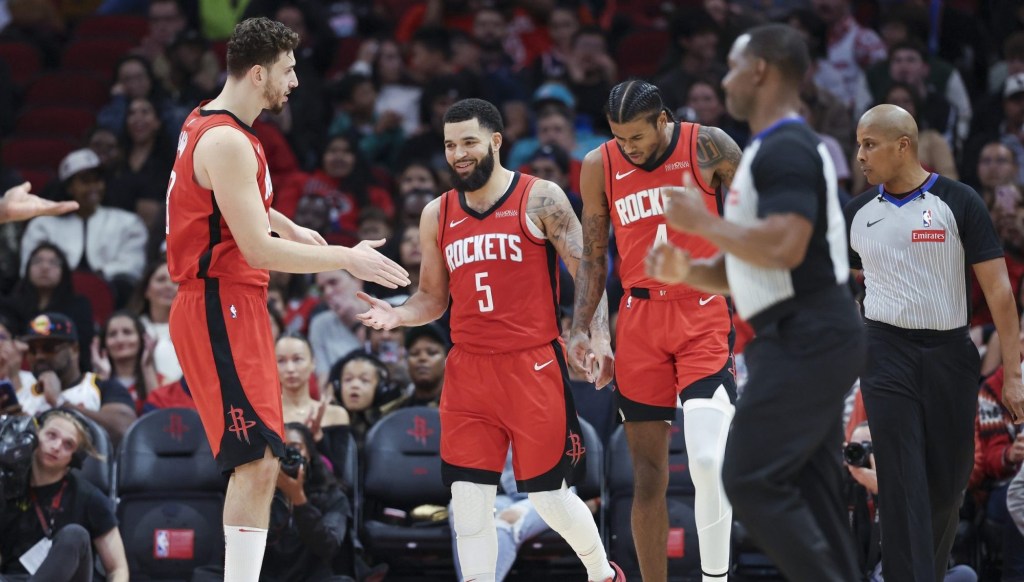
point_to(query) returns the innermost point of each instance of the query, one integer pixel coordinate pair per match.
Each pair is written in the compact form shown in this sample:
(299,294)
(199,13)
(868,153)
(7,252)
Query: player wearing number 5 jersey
(672,341)
(219,251)
(492,244)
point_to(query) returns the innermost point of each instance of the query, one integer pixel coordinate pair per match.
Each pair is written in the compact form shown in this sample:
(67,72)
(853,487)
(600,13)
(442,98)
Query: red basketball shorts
(522,398)
(221,333)
(669,347)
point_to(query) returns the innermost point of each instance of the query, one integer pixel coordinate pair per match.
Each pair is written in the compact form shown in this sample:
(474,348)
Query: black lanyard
(54,506)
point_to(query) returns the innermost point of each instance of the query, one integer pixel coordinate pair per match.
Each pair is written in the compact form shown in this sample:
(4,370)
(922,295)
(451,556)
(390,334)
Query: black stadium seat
(403,470)
(97,470)
(170,497)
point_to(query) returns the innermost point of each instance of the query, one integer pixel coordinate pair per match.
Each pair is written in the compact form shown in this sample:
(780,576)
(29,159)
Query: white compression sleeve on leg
(706,424)
(243,552)
(566,513)
(475,534)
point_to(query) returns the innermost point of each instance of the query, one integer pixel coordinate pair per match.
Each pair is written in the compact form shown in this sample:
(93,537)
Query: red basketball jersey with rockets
(199,243)
(503,279)
(637,209)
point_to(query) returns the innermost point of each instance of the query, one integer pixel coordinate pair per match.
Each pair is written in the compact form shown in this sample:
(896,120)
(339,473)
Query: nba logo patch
(926,218)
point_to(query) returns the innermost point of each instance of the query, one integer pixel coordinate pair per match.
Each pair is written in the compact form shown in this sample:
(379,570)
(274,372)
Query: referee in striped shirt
(914,236)
(784,261)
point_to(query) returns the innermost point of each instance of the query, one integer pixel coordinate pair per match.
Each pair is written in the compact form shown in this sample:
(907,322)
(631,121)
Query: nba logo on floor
(926,218)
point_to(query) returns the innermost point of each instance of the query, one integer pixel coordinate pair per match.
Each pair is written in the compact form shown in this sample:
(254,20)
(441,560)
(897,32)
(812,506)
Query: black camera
(858,454)
(17,443)
(291,462)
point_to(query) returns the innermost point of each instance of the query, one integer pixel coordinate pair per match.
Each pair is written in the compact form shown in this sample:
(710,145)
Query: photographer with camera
(49,528)
(865,513)
(53,356)
(309,537)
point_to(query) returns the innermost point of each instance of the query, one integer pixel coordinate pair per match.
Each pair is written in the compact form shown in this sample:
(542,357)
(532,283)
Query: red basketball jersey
(637,210)
(503,279)
(199,243)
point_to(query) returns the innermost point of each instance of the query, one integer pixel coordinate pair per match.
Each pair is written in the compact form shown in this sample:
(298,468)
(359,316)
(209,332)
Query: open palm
(381,314)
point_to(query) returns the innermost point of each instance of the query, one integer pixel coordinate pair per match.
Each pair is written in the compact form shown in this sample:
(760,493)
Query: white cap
(1014,85)
(77,161)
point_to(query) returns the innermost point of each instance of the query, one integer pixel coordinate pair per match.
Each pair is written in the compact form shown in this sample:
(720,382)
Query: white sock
(571,518)
(706,428)
(243,553)
(475,532)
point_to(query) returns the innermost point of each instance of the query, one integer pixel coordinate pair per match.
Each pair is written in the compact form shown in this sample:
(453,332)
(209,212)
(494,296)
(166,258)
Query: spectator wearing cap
(53,357)
(107,241)
(556,123)
(1005,126)
(426,348)
(551,162)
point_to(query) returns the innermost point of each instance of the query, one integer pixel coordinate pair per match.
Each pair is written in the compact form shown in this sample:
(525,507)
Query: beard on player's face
(478,177)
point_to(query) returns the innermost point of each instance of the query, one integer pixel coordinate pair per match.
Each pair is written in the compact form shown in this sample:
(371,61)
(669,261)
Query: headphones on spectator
(385,391)
(79,456)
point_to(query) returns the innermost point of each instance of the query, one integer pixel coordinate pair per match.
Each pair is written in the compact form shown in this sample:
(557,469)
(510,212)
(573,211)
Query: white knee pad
(706,429)
(472,508)
(554,507)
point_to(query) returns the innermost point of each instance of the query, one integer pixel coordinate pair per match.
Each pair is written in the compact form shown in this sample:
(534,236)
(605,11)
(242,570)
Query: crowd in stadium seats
(92,96)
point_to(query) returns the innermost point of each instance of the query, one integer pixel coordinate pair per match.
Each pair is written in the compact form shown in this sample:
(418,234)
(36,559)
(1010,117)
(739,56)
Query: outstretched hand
(369,265)
(381,314)
(19,204)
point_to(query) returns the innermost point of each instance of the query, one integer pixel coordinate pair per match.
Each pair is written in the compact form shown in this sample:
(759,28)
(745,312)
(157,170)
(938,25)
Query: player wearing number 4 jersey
(493,243)
(673,342)
(219,251)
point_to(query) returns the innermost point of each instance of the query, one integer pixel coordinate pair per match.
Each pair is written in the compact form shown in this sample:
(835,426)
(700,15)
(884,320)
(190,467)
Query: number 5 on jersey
(487,303)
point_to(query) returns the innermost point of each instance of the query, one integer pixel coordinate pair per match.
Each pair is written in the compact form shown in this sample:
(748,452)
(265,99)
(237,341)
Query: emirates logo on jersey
(936,236)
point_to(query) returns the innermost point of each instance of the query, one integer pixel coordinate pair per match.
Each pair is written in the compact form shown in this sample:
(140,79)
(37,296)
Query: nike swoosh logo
(870,224)
(619,176)
(705,301)
(539,367)
(455,223)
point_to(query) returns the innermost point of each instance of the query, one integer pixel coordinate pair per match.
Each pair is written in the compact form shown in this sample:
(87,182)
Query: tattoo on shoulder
(715,149)
(549,206)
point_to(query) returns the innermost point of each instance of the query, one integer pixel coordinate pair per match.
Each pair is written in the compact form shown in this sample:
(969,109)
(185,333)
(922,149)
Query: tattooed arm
(550,210)
(718,156)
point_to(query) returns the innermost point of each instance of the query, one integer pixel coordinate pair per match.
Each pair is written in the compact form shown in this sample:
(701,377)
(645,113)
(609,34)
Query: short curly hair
(258,41)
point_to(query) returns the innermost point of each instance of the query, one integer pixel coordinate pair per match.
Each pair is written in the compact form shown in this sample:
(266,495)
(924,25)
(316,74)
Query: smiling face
(469,150)
(161,290)
(142,122)
(122,338)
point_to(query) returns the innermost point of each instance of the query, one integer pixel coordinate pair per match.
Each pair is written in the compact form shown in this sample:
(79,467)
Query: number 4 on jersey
(662,235)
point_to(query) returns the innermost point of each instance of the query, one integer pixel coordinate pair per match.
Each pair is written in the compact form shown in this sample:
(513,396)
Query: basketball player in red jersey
(672,342)
(219,251)
(493,244)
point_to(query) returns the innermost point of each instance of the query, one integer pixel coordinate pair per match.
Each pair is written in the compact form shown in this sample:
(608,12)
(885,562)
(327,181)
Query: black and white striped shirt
(915,250)
(786,169)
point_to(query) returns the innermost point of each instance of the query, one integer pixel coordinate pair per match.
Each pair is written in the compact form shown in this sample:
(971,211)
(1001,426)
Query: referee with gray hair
(914,237)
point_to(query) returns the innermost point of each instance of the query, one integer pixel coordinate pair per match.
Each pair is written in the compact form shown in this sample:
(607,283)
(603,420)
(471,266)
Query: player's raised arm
(431,298)
(233,180)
